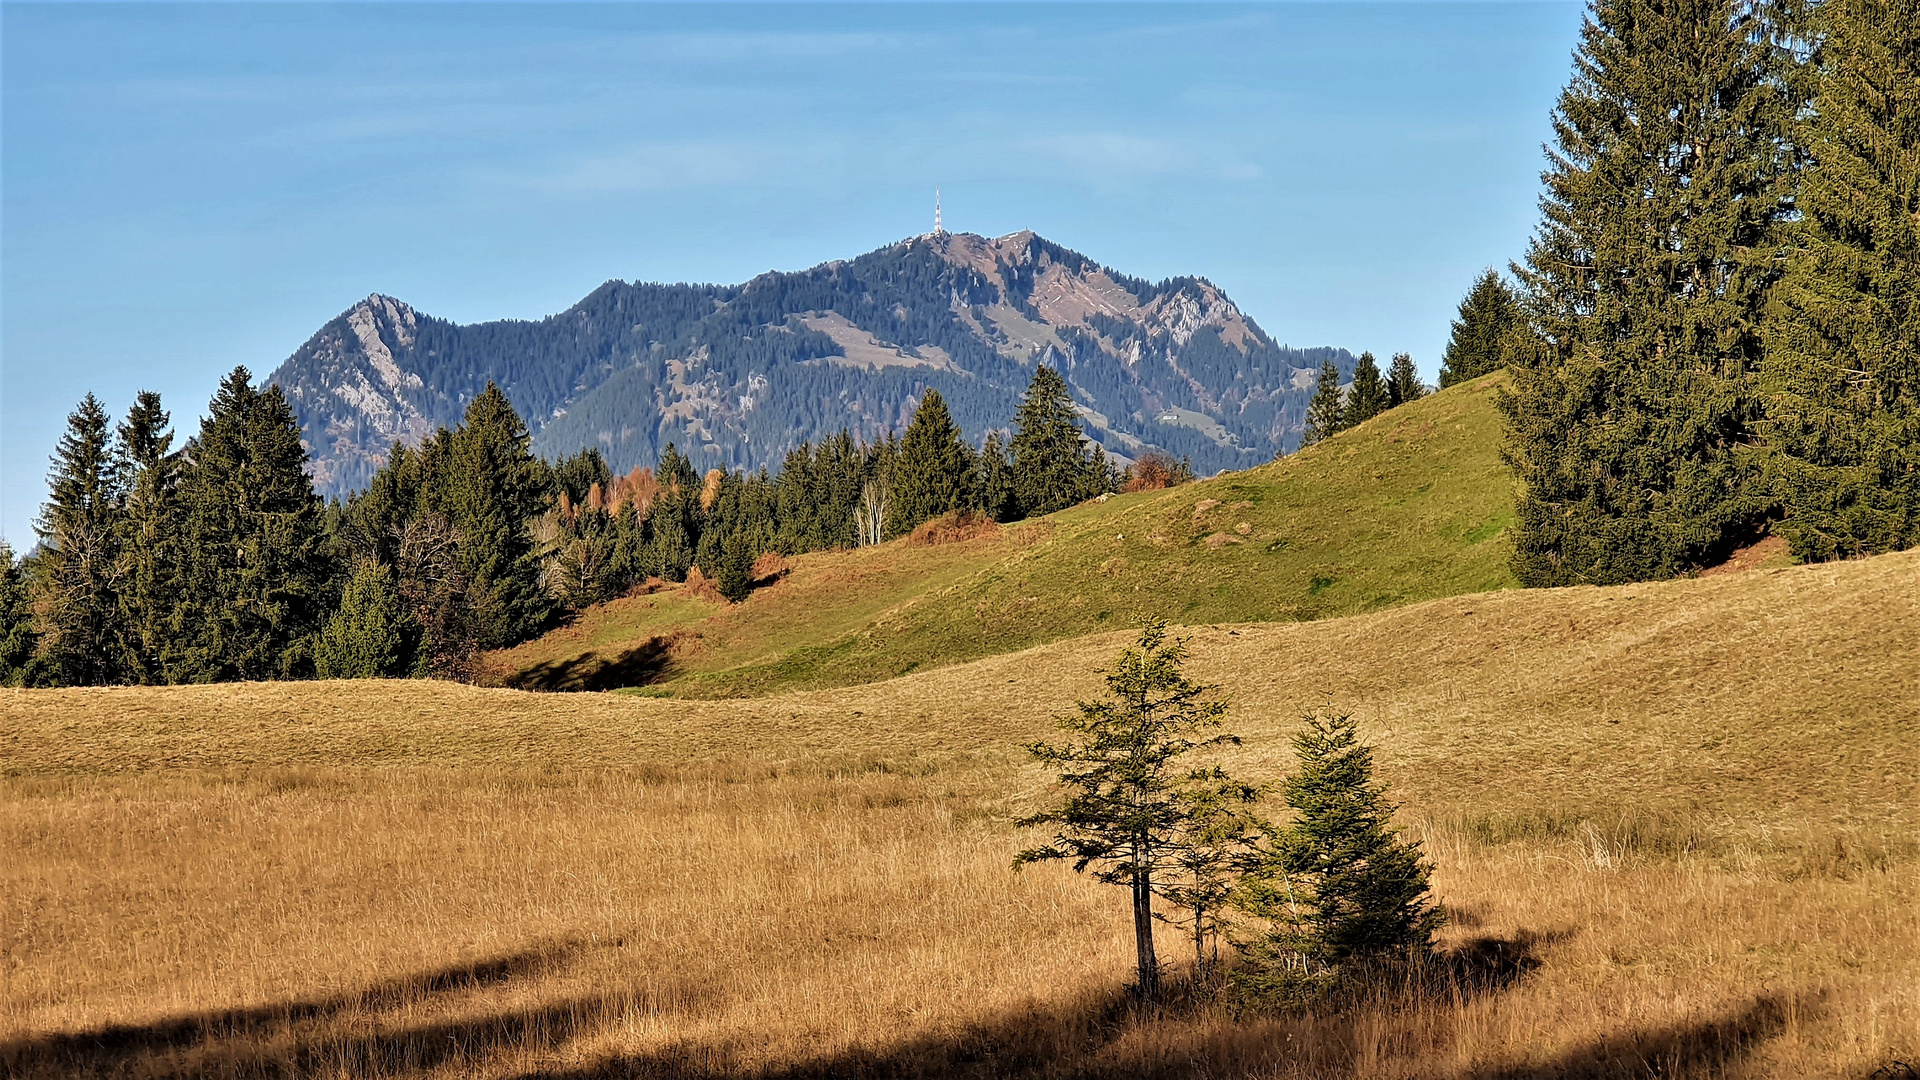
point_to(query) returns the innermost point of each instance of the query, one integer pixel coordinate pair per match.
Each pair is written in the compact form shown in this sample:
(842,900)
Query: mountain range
(737,375)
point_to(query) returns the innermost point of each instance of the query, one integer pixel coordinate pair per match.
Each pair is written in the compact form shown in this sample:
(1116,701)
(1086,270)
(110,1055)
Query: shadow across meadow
(1102,1033)
(645,663)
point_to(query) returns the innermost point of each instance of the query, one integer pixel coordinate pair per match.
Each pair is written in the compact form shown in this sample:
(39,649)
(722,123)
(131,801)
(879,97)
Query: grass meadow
(1677,827)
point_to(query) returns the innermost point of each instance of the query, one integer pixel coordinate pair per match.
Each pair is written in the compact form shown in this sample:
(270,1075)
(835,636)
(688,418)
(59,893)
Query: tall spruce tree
(1488,318)
(255,576)
(1051,464)
(149,547)
(935,471)
(1326,416)
(1630,428)
(1128,786)
(1403,382)
(490,488)
(1368,397)
(1842,372)
(76,588)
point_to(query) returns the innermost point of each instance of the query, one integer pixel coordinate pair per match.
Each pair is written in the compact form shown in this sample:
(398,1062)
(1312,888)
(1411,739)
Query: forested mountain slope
(738,375)
(1408,506)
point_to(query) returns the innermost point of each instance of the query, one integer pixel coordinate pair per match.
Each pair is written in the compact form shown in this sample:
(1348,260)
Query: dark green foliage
(1128,791)
(1368,397)
(1337,884)
(1403,382)
(577,475)
(149,542)
(17,637)
(1489,316)
(1842,372)
(673,526)
(1053,465)
(1630,424)
(488,484)
(733,576)
(935,470)
(369,636)
(76,588)
(1326,416)
(254,576)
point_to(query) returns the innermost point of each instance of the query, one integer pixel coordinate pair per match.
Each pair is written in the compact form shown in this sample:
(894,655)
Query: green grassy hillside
(1409,506)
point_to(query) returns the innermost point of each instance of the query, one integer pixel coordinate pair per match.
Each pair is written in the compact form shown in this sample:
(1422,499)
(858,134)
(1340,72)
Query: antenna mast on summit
(938,230)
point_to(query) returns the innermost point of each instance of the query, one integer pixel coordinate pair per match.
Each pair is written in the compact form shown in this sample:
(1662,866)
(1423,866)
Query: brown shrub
(769,567)
(700,585)
(1155,470)
(953,527)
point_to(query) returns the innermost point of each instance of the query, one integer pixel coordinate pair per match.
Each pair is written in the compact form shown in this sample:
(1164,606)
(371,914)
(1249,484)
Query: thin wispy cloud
(1105,157)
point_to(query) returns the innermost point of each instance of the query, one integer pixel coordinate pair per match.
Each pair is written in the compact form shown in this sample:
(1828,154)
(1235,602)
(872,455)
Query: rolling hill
(737,375)
(1407,507)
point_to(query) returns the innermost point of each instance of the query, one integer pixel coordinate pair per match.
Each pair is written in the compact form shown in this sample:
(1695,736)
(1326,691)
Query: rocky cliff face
(739,375)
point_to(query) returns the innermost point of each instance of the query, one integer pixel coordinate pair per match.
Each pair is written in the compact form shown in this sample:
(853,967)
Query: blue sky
(185,188)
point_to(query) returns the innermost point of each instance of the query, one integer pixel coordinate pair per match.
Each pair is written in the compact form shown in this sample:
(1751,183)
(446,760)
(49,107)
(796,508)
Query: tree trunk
(1143,934)
(1199,944)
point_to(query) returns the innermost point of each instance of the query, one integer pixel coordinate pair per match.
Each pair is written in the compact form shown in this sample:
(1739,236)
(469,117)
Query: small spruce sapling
(1337,885)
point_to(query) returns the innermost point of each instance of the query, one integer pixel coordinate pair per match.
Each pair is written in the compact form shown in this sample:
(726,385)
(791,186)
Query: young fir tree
(1051,468)
(17,638)
(1403,382)
(1338,883)
(490,489)
(149,550)
(1218,836)
(1128,787)
(1368,396)
(76,587)
(1325,415)
(1630,429)
(1842,371)
(935,472)
(254,573)
(1488,318)
(368,638)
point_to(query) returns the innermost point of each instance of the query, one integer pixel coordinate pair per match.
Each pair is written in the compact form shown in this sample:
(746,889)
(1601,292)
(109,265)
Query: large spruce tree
(935,470)
(1403,382)
(489,485)
(77,584)
(149,547)
(1488,318)
(1630,427)
(254,577)
(1053,466)
(1326,416)
(1842,373)
(1368,397)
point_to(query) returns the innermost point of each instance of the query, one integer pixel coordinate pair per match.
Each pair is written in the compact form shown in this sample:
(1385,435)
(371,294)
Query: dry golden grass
(1676,824)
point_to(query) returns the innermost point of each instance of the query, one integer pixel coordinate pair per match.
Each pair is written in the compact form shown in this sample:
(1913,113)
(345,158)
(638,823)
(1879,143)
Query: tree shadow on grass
(1097,1034)
(645,663)
(280,1039)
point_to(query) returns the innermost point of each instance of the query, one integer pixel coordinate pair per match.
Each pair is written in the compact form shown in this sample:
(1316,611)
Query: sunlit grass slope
(1409,506)
(1685,813)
